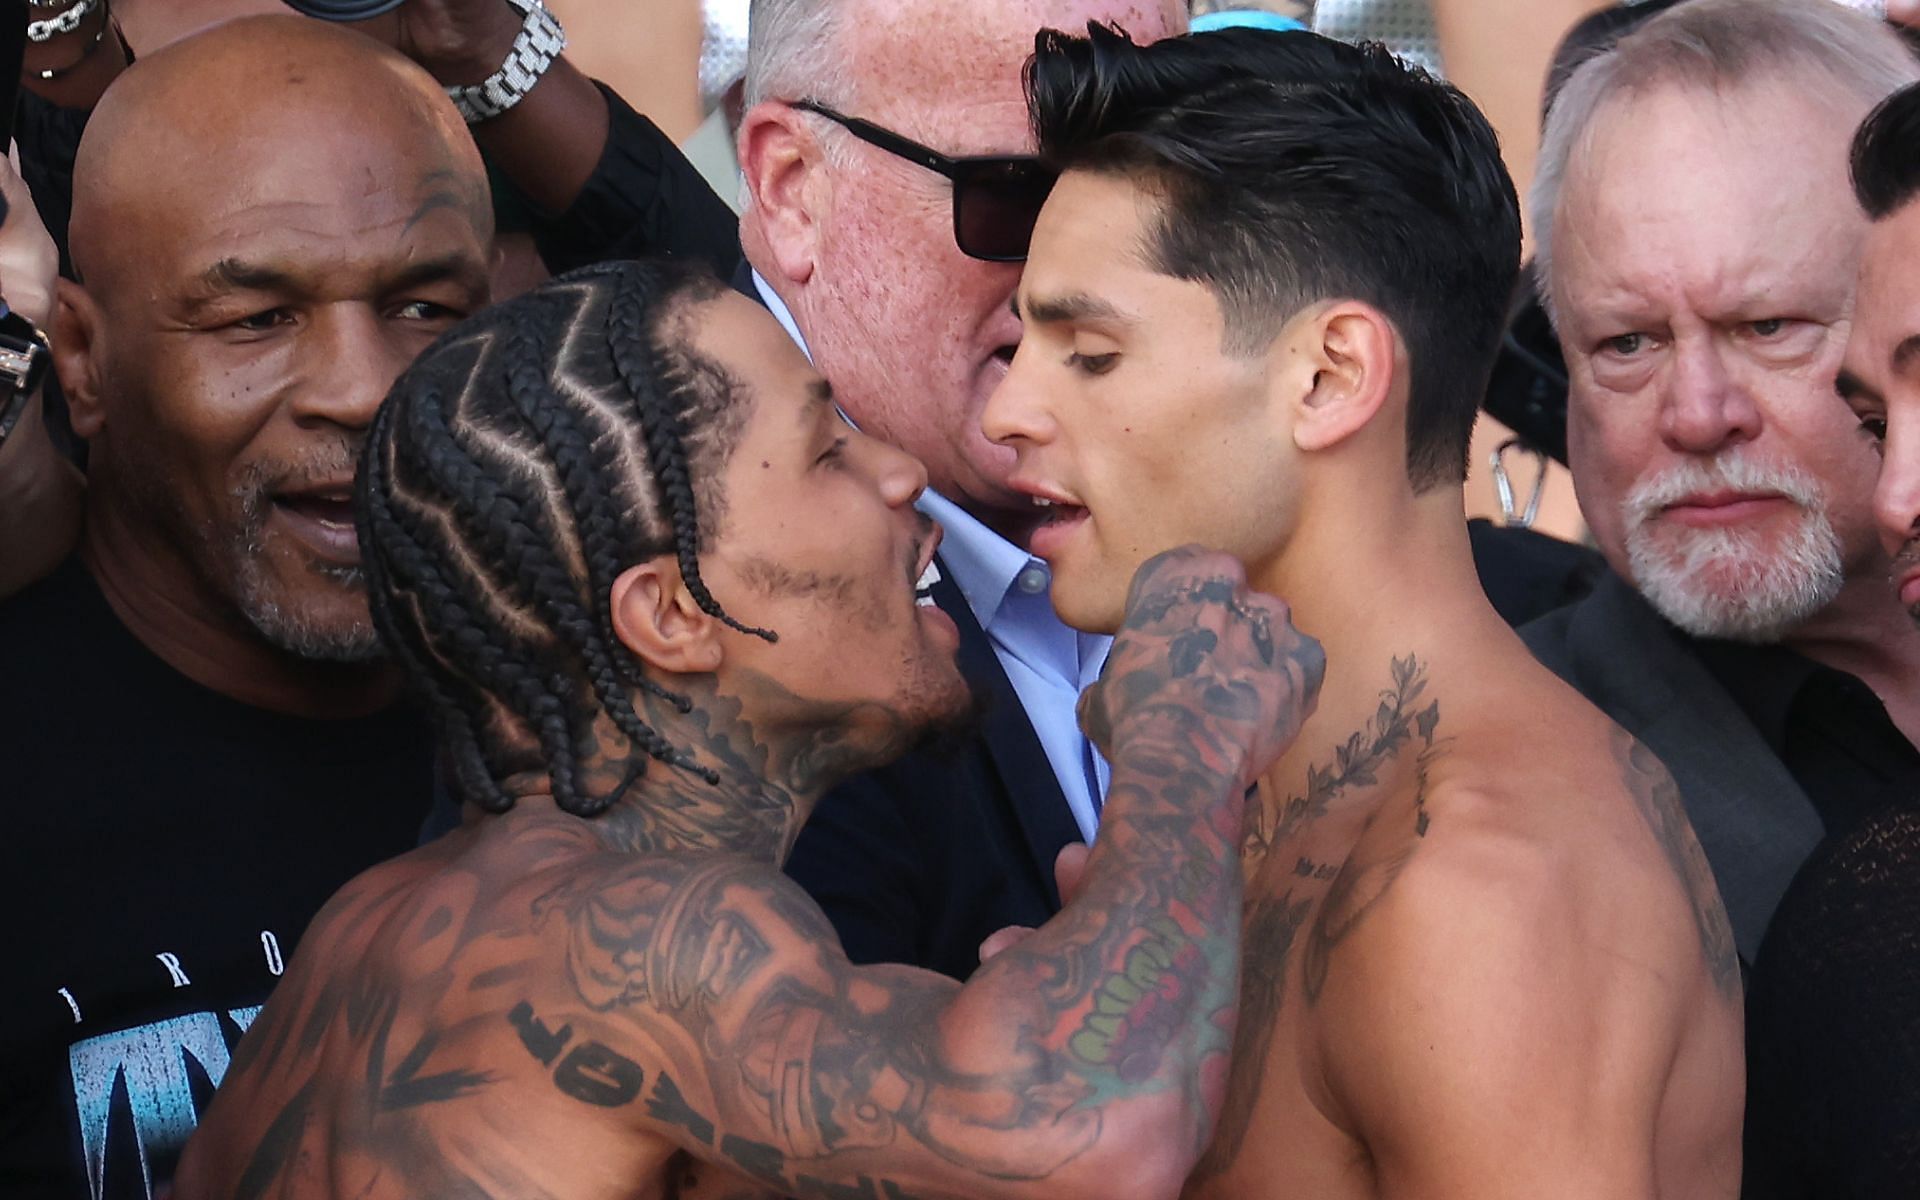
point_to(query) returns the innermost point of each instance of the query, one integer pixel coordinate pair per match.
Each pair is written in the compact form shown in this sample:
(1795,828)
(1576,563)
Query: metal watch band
(540,41)
(24,357)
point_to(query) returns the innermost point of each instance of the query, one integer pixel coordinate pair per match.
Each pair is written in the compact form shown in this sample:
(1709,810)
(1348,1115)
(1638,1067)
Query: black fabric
(1527,574)
(1829,728)
(1833,1023)
(643,198)
(166,847)
(49,139)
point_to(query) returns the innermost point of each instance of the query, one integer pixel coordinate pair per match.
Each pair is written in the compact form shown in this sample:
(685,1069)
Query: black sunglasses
(996,197)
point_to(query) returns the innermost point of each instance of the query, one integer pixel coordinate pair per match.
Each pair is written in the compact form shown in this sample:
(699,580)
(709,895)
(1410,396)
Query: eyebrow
(1850,387)
(1906,352)
(231,274)
(818,392)
(1077,306)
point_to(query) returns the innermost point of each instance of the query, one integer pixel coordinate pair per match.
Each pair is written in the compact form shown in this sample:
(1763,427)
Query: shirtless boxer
(602,981)
(1484,955)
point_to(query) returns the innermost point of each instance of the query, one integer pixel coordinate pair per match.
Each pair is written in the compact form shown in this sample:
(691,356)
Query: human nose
(1896,498)
(350,366)
(1704,407)
(900,475)
(1013,412)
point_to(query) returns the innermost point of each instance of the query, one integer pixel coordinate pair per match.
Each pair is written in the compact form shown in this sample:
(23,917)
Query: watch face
(344,10)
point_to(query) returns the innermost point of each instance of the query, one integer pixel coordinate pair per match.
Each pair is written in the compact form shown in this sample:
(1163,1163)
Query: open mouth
(923,587)
(322,518)
(324,508)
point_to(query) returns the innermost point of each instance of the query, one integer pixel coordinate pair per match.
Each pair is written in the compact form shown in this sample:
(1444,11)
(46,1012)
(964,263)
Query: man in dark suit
(1749,635)
(897,280)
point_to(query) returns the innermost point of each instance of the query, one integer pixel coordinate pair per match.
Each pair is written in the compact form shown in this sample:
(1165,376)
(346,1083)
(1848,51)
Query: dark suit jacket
(1755,823)
(919,861)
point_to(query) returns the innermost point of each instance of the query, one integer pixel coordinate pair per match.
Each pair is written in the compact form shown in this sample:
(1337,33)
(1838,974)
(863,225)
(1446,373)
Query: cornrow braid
(520,465)
(666,443)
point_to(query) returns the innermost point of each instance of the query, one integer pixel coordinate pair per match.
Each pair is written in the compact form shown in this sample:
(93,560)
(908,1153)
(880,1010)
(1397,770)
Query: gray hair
(1721,44)
(793,51)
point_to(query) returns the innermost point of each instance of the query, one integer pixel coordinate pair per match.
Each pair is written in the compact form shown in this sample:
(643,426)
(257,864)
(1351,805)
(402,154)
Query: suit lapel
(1026,778)
(742,282)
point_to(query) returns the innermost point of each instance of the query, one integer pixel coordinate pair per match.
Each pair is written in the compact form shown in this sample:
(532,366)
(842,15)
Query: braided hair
(521,464)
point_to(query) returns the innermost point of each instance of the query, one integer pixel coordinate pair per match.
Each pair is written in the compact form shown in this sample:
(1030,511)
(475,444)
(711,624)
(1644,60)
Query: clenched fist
(1204,665)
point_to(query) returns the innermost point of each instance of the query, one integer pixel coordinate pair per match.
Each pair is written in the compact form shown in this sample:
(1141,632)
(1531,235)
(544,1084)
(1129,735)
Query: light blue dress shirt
(1048,663)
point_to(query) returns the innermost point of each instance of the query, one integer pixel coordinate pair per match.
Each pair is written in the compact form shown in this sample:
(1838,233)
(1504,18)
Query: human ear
(1352,350)
(656,617)
(75,340)
(779,160)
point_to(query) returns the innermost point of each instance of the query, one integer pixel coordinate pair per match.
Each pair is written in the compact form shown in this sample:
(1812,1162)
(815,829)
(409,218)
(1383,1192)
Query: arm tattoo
(1658,799)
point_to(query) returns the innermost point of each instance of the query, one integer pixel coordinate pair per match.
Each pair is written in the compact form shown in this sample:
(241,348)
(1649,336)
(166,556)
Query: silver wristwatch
(540,41)
(23,364)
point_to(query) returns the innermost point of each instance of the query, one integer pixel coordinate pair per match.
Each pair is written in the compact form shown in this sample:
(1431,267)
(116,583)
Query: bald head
(271,220)
(296,101)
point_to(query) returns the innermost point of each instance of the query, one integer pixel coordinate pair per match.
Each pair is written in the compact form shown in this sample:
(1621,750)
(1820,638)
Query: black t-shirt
(164,848)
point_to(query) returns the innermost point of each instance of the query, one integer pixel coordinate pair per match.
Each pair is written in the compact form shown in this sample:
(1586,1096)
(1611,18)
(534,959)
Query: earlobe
(778,153)
(76,324)
(657,618)
(1351,349)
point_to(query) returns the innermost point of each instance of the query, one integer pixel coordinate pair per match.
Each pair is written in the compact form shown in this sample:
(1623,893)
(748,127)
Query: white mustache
(1734,471)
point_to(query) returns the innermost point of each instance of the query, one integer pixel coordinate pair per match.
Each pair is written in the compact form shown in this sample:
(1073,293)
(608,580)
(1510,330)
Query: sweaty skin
(545,1005)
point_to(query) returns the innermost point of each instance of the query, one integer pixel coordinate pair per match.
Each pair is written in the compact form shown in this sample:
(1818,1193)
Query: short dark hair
(1886,154)
(531,455)
(1294,168)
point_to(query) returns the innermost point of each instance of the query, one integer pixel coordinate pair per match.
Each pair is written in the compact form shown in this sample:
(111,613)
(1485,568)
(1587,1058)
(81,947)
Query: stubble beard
(1731,583)
(292,628)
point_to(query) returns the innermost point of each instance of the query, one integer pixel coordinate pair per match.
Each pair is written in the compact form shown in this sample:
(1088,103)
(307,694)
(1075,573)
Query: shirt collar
(983,564)
(781,313)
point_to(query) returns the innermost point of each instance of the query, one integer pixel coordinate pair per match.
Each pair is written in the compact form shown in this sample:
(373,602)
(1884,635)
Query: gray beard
(1725,583)
(285,629)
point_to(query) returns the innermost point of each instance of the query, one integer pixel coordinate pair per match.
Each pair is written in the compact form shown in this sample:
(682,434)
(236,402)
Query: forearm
(40,503)
(550,143)
(1137,978)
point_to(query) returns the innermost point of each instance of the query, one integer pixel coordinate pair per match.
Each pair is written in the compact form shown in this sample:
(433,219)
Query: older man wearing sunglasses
(891,189)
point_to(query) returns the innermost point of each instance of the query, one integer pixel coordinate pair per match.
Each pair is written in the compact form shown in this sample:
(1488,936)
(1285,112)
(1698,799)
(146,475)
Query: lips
(1906,578)
(927,572)
(321,517)
(1722,507)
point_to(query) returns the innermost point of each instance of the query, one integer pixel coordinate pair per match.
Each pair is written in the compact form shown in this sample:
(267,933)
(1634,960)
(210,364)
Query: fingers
(1907,12)
(1070,869)
(1004,940)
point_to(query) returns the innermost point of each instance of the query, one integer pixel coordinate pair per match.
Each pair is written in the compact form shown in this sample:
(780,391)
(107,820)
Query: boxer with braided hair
(601,984)
(506,573)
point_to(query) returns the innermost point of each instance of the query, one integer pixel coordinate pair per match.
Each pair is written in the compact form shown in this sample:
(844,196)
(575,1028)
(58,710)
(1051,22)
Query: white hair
(1839,54)
(1729,583)
(794,51)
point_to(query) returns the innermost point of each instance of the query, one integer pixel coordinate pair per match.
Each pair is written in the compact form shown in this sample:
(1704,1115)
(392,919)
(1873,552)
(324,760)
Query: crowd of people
(971,677)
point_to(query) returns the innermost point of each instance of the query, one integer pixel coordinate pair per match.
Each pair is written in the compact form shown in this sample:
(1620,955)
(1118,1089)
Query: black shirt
(1828,729)
(165,847)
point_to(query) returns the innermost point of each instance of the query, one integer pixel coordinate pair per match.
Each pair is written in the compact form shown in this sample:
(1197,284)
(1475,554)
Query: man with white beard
(1697,246)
